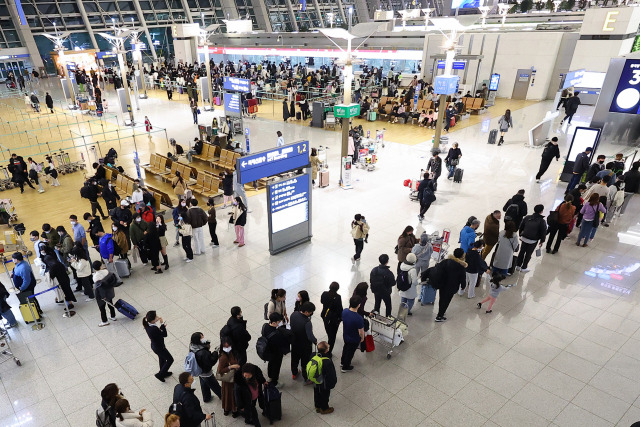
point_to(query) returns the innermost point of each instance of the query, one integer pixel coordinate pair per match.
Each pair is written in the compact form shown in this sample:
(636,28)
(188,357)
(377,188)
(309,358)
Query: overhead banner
(272,162)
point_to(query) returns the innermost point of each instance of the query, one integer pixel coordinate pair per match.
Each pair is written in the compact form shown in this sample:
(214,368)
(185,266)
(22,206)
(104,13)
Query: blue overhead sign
(232,104)
(457,65)
(445,85)
(106,55)
(237,85)
(272,162)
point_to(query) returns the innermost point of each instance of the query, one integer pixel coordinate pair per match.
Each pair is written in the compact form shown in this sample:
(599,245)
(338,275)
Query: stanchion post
(39,325)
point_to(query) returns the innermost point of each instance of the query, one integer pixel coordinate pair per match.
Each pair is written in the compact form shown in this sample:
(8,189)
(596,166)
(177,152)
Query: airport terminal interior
(378,90)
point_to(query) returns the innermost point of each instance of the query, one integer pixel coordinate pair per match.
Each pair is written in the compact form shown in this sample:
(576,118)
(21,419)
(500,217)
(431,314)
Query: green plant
(526,6)
(549,5)
(569,5)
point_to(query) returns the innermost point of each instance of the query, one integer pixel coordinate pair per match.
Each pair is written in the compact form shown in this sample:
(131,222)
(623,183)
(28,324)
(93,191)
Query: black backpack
(206,361)
(512,211)
(377,280)
(177,409)
(262,345)
(402,281)
(85,191)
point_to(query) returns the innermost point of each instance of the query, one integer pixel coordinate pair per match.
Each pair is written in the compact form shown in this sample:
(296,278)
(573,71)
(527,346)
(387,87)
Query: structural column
(342,11)
(292,15)
(143,24)
(229,9)
(316,6)
(87,24)
(187,11)
(262,16)
(26,36)
(362,11)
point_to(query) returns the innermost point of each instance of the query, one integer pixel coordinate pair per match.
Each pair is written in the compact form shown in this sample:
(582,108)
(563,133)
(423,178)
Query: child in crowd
(494,291)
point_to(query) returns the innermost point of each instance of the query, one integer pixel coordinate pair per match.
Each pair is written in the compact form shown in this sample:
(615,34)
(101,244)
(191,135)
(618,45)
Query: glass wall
(8,33)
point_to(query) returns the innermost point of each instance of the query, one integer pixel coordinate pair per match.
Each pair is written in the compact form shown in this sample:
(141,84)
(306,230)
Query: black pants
(242,356)
(273,368)
(359,247)
(561,230)
(212,232)
(95,206)
(143,254)
(102,306)
(186,245)
(382,296)
(348,350)
(209,384)
(526,250)
(251,414)
(561,103)
(154,257)
(87,284)
(544,165)
(568,116)
(300,354)
(443,304)
(321,397)
(331,327)
(165,360)
(424,207)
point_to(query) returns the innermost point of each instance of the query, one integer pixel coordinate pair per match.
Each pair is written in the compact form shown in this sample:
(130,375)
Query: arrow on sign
(243,164)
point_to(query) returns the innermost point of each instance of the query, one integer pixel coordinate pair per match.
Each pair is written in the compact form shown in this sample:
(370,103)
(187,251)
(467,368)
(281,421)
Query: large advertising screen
(627,96)
(465,4)
(582,138)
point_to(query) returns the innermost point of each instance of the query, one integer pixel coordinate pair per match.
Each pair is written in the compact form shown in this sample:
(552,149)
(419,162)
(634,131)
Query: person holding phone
(156,329)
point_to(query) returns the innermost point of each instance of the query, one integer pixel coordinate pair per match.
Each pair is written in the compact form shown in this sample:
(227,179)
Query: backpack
(377,281)
(191,365)
(435,276)
(314,369)
(403,281)
(262,344)
(512,211)
(116,248)
(102,418)
(147,215)
(85,192)
(266,309)
(428,196)
(109,281)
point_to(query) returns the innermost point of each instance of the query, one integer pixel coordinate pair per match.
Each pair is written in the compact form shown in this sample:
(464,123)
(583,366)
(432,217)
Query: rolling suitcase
(371,116)
(122,267)
(427,294)
(272,403)
(457,175)
(324,179)
(126,309)
(25,311)
(493,135)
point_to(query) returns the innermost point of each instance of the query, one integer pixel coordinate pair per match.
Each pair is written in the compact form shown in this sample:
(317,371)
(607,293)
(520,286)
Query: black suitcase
(272,403)
(298,115)
(457,175)
(493,136)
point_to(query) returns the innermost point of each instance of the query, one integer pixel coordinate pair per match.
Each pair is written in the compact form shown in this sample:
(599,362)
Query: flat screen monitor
(592,79)
(494,82)
(465,4)
(583,138)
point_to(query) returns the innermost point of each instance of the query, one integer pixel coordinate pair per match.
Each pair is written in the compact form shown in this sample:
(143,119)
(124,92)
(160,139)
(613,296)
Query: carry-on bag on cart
(371,116)
(126,309)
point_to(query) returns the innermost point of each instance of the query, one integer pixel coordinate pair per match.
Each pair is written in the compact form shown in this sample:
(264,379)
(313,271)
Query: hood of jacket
(406,267)
(467,231)
(458,260)
(517,198)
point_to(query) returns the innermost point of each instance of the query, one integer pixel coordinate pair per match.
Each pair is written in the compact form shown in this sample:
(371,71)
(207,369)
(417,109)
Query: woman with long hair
(359,232)
(277,304)
(240,219)
(590,219)
(301,298)
(507,245)
(110,395)
(227,367)
(504,124)
(179,185)
(162,231)
(406,242)
(331,313)
(125,417)
(156,329)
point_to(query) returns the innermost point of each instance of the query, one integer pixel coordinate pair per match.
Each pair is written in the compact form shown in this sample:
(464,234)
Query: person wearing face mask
(248,390)
(123,218)
(153,246)
(301,298)
(198,219)
(278,344)
(236,330)
(227,366)
(212,222)
(24,280)
(186,231)
(110,196)
(94,225)
(596,167)
(137,234)
(106,247)
(79,234)
(58,272)
(156,329)
(406,242)
(162,231)
(50,235)
(303,338)
(206,359)
(65,245)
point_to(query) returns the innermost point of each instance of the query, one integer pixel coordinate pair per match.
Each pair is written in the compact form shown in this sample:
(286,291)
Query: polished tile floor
(561,348)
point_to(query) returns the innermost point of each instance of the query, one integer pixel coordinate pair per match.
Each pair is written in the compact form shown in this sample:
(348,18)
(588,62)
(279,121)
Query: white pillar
(87,24)
(143,24)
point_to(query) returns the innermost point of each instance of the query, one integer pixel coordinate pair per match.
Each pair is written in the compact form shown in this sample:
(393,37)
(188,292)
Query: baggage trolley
(413,186)
(440,245)
(5,179)
(390,331)
(7,212)
(5,349)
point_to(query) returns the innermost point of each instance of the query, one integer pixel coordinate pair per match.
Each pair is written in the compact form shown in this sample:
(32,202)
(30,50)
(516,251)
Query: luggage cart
(440,245)
(7,212)
(5,349)
(5,179)
(413,184)
(389,331)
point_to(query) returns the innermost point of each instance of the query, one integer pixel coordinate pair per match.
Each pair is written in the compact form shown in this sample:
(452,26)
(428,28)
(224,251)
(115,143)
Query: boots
(165,264)
(501,141)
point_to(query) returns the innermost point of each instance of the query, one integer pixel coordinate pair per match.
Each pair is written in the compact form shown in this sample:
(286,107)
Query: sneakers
(479,305)
(537,181)
(440,319)
(525,270)
(346,368)
(489,311)
(101,324)
(113,319)
(188,260)
(517,268)
(159,377)
(89,299)
(40,191)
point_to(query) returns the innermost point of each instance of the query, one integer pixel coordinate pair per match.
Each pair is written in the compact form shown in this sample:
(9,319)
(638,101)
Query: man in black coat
(278,344)
(20,172)
(183,394)
(515,209)
(580,166)
(533,230)
(236,330)
(596,167)
(382,281)
(110,196)
(303,338)
(449,276)
(571,107)
(550,151)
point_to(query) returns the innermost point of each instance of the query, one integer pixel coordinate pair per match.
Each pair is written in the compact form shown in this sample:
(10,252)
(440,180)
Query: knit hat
(424,239)
(411,259)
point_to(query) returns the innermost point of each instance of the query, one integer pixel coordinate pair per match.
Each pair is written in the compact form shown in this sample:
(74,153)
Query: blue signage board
(627,96)
(106,55)
(232,103)
(303,5)
(272,162)
(415,96)
(246,136)
(237,85)
(445,85)
(289,202)
(457,65)
(494,82)
(573,78)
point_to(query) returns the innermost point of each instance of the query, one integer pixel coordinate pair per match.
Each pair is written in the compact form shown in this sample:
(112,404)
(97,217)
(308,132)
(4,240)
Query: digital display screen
(573,78)
(582,138)
(592,79)
(289,202)
(493,83)
(465,4)
(237,85)
(232,103)
(627,96)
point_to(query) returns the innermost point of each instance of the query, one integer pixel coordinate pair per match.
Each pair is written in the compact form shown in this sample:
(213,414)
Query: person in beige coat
(406,242)
(359,232)
(315,164)
(179,185)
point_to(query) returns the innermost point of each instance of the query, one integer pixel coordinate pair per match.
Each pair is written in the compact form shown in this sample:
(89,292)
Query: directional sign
(272,162)
(237,85)
(232,104)
(446,85)
(457,65)
(342,111)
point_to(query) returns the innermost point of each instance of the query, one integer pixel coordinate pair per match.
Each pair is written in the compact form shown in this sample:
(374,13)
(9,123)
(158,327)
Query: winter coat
(285,111)
(192,415)
(533,227)
(491,230)
(227,185)
(314,166)
(49,101)
(240,215)
(454,276)
(504,253)
(359,230)
(475,263)
(239,334)
(197,217)
(82,267)
(423,255)
(382,280)
(467,237)
(581,164)
(136,232)
(405,245)
(518,200)
(242,392)
(571,105)
(551,150)
(132,419)
(412,292)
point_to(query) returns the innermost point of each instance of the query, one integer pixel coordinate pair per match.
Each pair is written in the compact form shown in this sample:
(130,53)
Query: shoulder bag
(226,378)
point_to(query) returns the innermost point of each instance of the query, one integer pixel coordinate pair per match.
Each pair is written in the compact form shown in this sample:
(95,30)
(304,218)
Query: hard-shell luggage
(272,403)
(493,136)
(26,312)
(126,309)
(253,109)
(371,116)
(427,294)
(122,267)
(216,100)
(324,179)
(457,175)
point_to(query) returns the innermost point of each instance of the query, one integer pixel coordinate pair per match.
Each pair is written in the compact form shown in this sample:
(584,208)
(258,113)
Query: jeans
(102,306)
(209,384)
(408,301)
(212,232)
(9,317)
(195,117)
(585,231)
(383,296)
(568,116)
(186,245)
(561,230)
(273,368)
(359,247)
(502,271)
(575,179)
(165,360)
(452,170)
(198,240)
(526,250)
(321,397)
(348,350)
(331,328)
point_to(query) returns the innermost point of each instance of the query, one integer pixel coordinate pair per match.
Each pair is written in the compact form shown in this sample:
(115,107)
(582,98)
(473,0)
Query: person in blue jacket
(468,235)
(106,247)
(24,280)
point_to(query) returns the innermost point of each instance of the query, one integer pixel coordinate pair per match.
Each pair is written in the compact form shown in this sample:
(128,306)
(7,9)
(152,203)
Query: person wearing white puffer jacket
(125,417)
(409,296)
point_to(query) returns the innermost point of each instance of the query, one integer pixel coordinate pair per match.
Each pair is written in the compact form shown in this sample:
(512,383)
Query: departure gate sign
(272,162)
(627,96)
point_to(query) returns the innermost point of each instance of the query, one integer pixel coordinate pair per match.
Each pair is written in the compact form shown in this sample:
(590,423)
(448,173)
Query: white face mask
(226,349)
(138,219)
(183,204)
(114,228)
(203,341)
(73,222)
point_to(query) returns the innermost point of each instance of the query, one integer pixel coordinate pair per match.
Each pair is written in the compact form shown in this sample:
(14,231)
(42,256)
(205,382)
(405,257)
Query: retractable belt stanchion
(5,261)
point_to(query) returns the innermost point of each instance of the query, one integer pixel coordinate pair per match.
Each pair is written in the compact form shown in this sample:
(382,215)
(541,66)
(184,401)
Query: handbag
(552,219)
(369,343)
(226,378)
